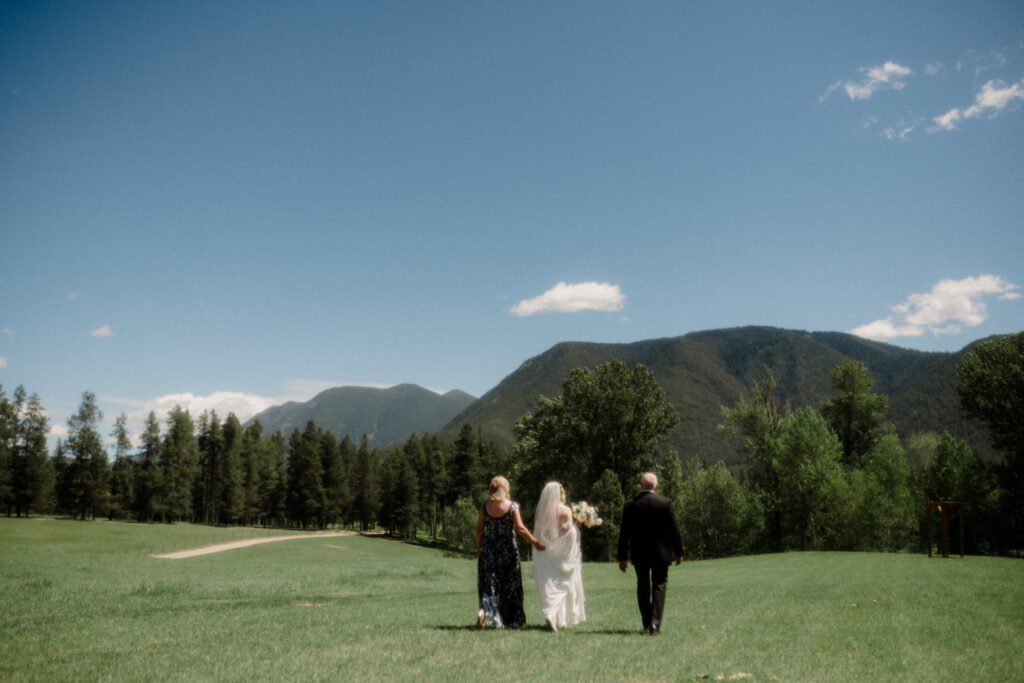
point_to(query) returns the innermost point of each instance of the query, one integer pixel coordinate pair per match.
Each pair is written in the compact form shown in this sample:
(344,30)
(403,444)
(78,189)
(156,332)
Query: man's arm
(677,541)
(623,551)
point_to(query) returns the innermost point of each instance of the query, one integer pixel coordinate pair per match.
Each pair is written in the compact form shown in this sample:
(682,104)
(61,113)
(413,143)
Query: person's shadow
(538,627)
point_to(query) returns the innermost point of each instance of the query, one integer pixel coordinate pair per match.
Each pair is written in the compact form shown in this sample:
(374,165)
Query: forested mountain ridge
(387,416)
(703,371)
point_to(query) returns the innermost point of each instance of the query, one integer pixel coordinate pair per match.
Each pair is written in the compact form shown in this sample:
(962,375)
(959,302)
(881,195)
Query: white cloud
(8,332)
(104,331)
(572,298)
(994,97)
(888,76)
(72,296)
(950,305)
(933,69)
(58,430)
(885,329)
(242,405)
(3,362)
(899,134)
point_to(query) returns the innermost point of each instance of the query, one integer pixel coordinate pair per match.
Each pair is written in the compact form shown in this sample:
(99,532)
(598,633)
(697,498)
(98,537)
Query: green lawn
(84,601)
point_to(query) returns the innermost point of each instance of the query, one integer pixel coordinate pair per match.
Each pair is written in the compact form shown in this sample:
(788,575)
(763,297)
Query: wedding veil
(545,522)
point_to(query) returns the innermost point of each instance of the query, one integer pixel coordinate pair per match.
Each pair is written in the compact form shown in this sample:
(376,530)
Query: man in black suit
(650,536)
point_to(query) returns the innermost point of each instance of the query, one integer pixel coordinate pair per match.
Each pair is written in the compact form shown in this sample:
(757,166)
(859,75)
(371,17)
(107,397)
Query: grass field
(84,601)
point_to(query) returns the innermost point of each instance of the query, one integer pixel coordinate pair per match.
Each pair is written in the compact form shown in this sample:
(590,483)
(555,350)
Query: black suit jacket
(649,531)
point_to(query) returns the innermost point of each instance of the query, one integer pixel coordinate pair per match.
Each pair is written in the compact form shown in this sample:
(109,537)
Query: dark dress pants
(651,580)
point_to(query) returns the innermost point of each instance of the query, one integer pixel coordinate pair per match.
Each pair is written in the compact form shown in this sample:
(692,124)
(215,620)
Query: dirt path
(221,547)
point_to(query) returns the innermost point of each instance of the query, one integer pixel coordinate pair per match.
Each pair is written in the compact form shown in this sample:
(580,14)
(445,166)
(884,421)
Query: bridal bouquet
(586,514)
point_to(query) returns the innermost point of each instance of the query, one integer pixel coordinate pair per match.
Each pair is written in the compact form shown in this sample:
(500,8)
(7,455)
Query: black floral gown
(499,578)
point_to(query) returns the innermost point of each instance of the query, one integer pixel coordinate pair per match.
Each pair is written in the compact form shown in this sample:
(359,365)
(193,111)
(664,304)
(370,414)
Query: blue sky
(233,204)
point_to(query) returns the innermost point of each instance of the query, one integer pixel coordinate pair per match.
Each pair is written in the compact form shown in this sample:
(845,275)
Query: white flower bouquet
(585,514)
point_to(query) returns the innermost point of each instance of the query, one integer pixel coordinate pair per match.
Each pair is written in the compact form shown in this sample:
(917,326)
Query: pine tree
(335,478)
(180,462)
(30,453)
(8,429)
(122,475)
(88,466)
(433,480)
(464,475)
(209,483)
(367,496)
(306,499)
(252,468)
(231,475)
(149,480)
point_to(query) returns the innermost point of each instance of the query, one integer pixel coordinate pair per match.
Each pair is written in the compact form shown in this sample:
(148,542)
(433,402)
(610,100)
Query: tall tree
(335,478)
(88,466)
(30,453)
(149,481)
(992,390)
(8,430)
(180,461)
(367,496)
(306,498)
(463,469)
(253,459)
(231,475)
(209,482)
(122,474)
(759,421)
(433,481)
(610,417)
(855,412)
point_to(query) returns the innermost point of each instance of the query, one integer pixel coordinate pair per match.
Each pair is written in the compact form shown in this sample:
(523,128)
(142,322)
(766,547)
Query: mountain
(703,371)
(387,416)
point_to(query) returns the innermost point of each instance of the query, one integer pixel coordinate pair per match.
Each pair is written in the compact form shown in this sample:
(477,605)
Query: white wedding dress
(557,569)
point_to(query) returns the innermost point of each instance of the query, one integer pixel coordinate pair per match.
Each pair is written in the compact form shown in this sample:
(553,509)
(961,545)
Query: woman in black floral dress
(499,579)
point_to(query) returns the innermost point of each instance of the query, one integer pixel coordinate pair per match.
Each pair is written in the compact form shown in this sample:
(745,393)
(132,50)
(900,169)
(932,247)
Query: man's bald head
(648,482)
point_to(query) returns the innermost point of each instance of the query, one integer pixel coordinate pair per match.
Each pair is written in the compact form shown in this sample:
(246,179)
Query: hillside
(386,415)
(703,371)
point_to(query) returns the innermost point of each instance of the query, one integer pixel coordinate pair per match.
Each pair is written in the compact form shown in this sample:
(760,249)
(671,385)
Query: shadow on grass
(537,627)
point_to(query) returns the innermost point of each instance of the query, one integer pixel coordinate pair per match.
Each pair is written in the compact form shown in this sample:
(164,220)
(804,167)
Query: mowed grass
(83,601)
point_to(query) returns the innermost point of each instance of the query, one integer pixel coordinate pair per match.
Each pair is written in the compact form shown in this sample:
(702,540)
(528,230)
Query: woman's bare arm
(524,532)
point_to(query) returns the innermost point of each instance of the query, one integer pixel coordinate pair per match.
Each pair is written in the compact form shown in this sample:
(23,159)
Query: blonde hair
(499,488)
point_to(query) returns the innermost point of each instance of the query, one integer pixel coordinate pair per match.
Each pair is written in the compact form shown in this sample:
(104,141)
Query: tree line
(214,471)
(834,476)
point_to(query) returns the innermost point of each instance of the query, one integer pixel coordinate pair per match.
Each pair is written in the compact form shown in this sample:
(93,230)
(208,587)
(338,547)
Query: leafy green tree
(306,498)
(179,464)
(149,482)
(88,466)
(811,485)
(992,390)
(600,543)
(956,474)
(610,417)
(459,526)
(855,413)
(122,474)
(760,422)
(718,515)
(884,510)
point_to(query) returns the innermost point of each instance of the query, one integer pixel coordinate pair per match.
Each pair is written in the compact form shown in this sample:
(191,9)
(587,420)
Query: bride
(557,570)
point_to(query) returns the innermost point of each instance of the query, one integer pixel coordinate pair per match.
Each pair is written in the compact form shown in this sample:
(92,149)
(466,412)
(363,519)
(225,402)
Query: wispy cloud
(3,362)
(994,97)
(933,69)
(72,296)
(8,333)
(58,430)
(244,406)
(572,298)
(949,305)
(103,331)
(887,76)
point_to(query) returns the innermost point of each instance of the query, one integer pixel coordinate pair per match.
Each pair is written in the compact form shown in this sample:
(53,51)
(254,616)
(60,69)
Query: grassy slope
(83,601)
